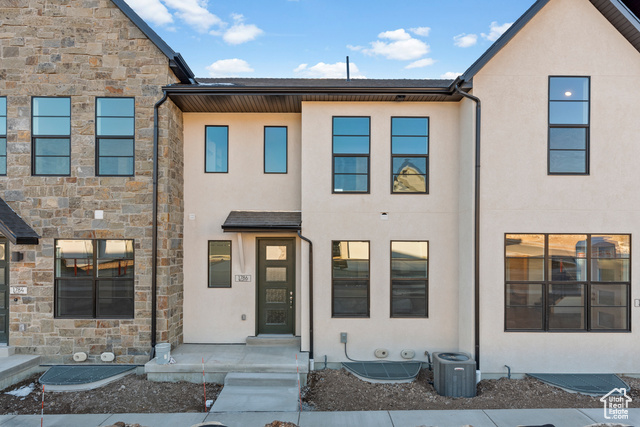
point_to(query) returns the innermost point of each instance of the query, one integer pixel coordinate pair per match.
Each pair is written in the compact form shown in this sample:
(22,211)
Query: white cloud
(194,13)
(355,48)
(421,63)
(399,34)
(421,31)
(450,75)
(328,71)
(402,46)
(241,32)
(465,40)
(229,67)
(152,11)
(496,30)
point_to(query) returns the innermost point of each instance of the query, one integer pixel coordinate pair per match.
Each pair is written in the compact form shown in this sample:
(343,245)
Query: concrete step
(258,392)
(16,368)
(275,340)
(7,350)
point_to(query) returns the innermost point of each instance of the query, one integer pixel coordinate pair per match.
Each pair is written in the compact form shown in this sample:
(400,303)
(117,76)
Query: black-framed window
(219,264)
(350,278)
(94,279)
(275,149)
(3,135)
(115,136)
(567,282)
(216,147)
(51,135)
(351,144)
(409,154)
(569,125)
(409,278)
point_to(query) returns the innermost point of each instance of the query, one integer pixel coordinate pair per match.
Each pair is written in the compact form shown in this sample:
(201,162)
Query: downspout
(154,242)
(476,214)
(310,293)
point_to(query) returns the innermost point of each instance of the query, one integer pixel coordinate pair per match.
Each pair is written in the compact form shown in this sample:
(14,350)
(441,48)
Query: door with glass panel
(4,292)
(276,286)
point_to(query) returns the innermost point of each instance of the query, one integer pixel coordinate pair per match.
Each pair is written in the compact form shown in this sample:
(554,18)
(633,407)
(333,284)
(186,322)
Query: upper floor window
(567,282)
(351,154)
(3,135)
(350,279)
(94,278)
(219,264)
(275,149)
(409,154)
(115,132)
(409,278)
(216,148)
(51,136)
(569,125)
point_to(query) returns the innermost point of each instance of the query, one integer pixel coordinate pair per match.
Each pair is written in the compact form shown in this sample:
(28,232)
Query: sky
(384,39)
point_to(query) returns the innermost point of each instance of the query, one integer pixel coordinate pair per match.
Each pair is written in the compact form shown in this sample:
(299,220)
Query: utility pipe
(154,241)
(310,293)
(476,214)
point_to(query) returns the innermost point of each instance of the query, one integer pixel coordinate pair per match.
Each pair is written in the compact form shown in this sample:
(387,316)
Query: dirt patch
(131,394)
(339,390)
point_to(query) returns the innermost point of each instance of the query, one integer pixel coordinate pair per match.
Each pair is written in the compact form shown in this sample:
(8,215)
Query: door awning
(261,221)
(15,228)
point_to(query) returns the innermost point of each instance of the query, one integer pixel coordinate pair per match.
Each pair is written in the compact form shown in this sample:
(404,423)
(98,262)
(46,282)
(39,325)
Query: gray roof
(15,228)
(176,62)
(263,221)
(221,83)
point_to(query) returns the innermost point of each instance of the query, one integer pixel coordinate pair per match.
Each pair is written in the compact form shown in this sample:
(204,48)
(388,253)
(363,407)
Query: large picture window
(3,135)
(219,264)
(409,279)
(351,154)
(94,279)
(51,136)
(115,133)
(350,279)
(216,148)
(569,125)
(409,154)
(567,282)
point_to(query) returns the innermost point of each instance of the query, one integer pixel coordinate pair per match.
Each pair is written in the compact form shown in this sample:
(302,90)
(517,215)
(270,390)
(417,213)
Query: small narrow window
(115,136)
(409,279)
(216,149)
(569,125)
(350,278)
(3,135)
(219,264)
(275,149)
(51,136)
(409,154)
(351,154)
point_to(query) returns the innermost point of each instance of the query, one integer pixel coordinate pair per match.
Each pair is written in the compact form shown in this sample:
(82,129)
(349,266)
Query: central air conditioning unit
(454,374)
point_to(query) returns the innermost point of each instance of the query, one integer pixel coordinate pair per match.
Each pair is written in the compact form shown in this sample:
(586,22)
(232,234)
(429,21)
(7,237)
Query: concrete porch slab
(16,368)
(220,359)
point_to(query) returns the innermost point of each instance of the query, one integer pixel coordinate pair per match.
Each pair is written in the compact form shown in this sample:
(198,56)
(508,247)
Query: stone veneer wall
(87,49)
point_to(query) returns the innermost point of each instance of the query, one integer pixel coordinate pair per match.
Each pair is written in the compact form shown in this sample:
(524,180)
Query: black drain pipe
(476,214)
(310,293)
(154,242)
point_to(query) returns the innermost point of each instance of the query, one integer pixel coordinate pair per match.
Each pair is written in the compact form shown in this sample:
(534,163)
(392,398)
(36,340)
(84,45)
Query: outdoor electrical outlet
(343,337)
(636,303)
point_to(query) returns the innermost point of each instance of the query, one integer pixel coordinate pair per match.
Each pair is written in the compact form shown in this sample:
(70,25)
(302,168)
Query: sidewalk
(476,418)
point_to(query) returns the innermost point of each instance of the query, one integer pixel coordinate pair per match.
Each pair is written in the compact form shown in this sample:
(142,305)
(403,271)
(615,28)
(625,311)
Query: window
(94,279)
(409,279)
(219,264)
(115,133)
(567,282)
(275,149)
(351,154)
(51,136)
(3,135)
(350,279)
(409,154)
(568,125)
(216,149)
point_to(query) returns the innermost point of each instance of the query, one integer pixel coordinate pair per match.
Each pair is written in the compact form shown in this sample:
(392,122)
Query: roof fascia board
(503,40)
(244,90)
(629,16)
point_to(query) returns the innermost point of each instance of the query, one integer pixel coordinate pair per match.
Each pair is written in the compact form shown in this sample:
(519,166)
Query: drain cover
(76,374)
(384,370)
(598,384)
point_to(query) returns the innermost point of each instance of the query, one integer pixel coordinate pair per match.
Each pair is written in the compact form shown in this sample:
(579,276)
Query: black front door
(276,286)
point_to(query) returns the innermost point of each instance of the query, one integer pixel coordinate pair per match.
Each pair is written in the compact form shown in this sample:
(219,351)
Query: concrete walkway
(476,418)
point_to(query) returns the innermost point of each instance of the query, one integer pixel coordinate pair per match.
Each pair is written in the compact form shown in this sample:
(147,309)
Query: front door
(4,292)
(276,286)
